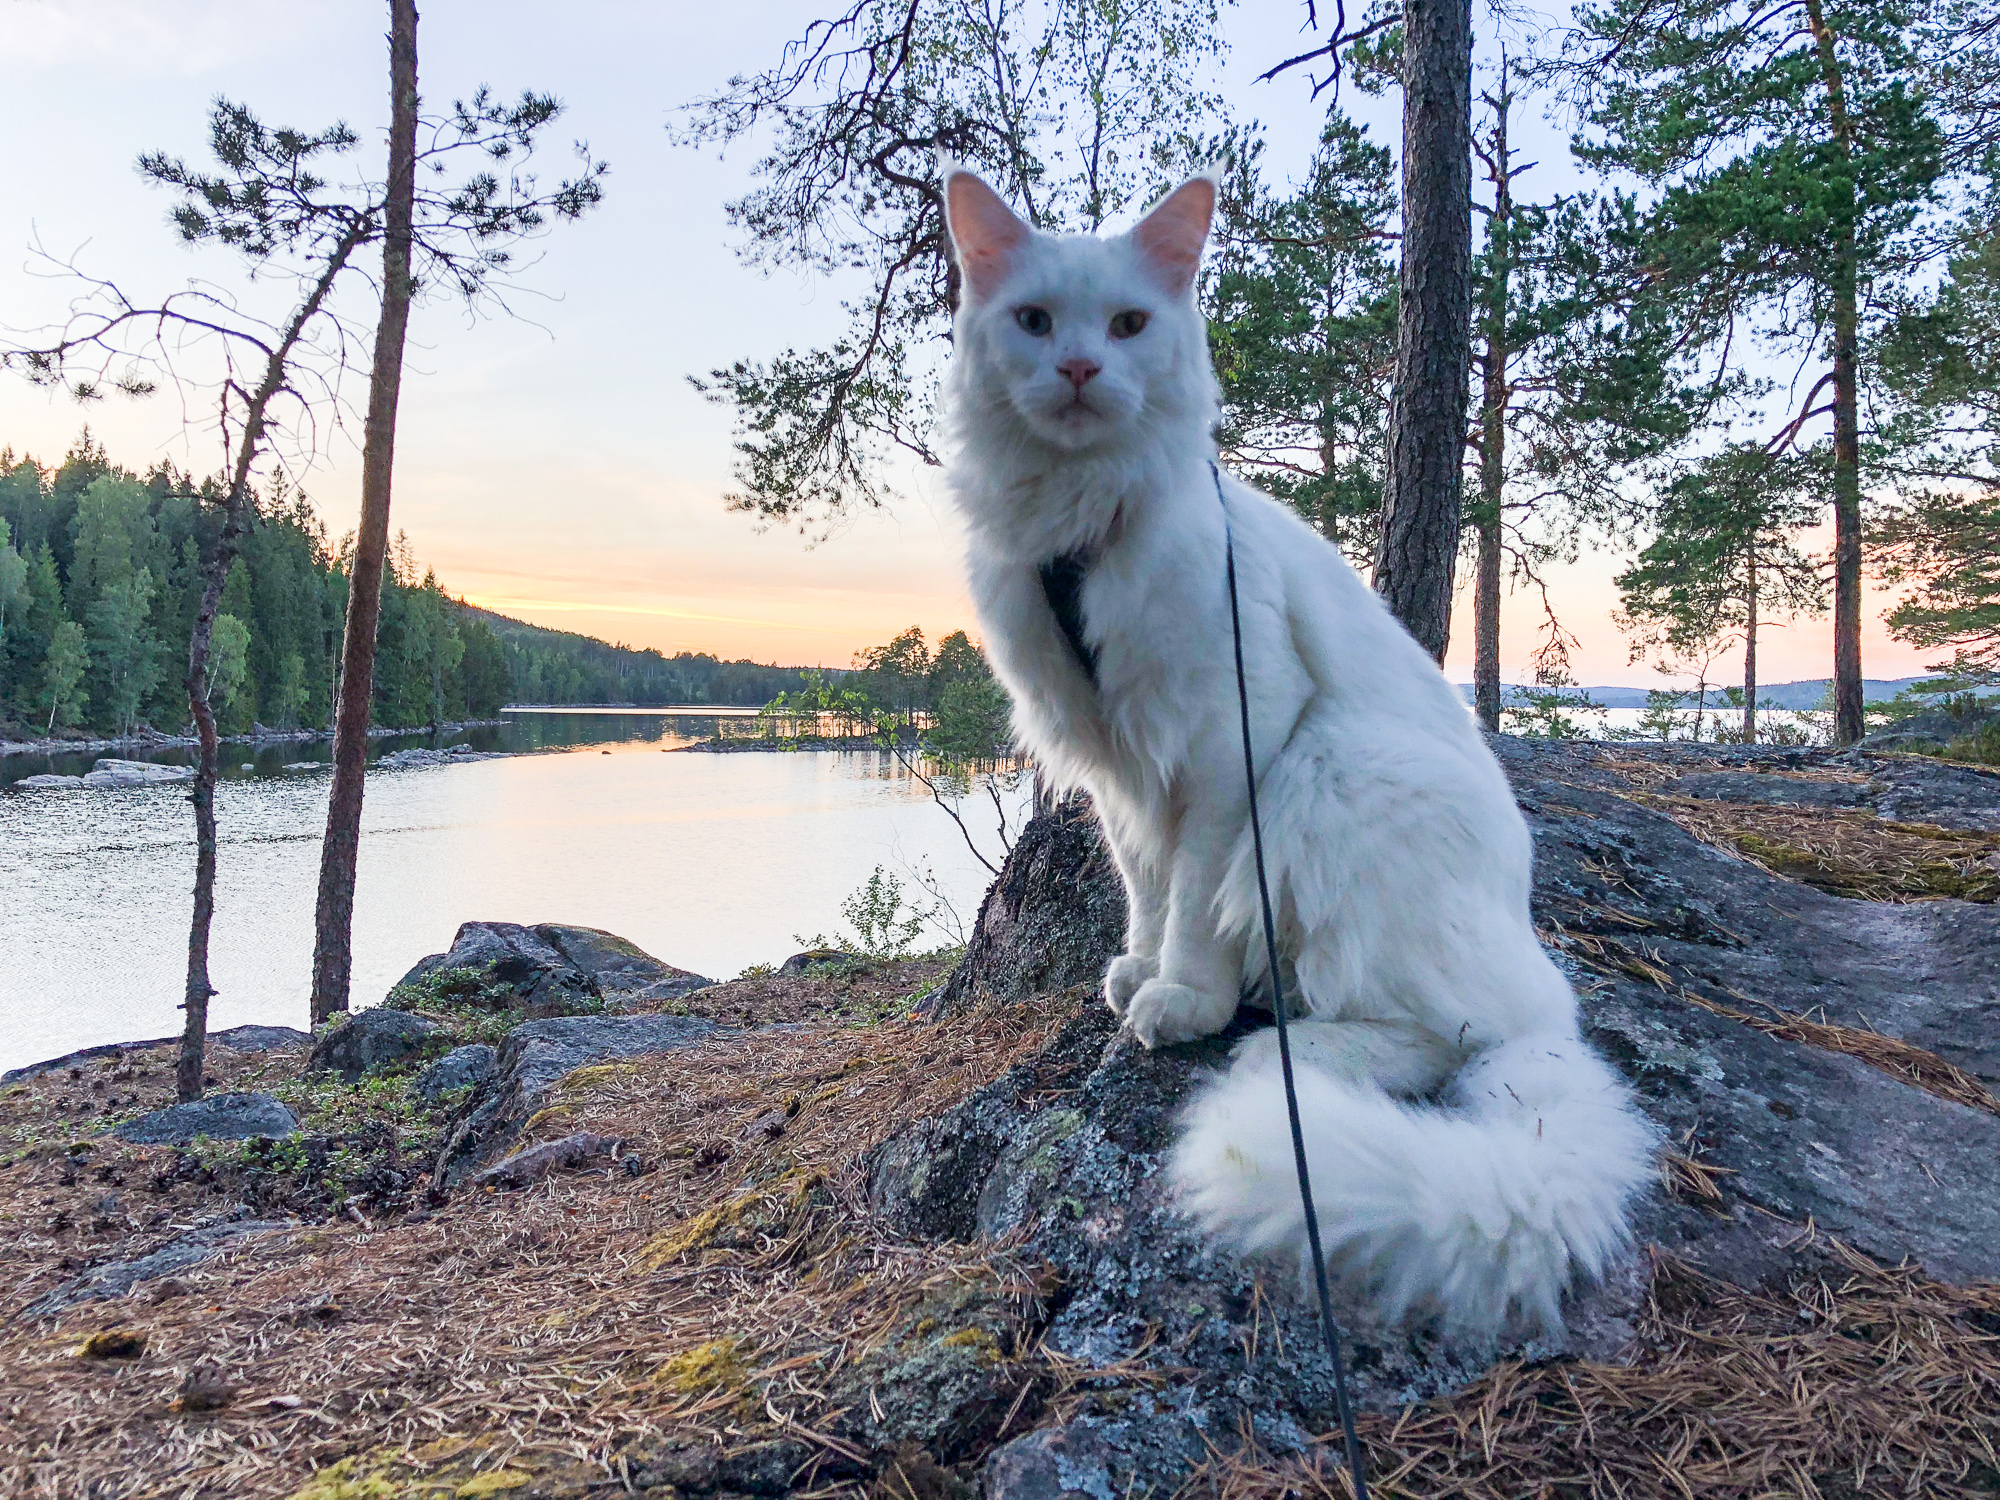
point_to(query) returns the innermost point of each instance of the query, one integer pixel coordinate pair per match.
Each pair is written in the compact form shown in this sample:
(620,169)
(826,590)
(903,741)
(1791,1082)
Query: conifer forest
(99,580)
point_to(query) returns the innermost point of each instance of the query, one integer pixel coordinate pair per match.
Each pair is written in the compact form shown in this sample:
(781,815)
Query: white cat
(1080,402)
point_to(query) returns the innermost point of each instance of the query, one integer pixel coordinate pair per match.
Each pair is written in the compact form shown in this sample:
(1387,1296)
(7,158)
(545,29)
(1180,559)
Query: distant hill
(560,666)
(1769,695)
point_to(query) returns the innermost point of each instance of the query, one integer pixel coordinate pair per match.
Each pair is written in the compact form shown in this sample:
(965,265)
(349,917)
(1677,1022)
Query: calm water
(712,862)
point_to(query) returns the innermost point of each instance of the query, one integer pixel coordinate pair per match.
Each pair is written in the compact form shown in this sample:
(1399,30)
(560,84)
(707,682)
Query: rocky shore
(111,773)
(149,739)
(560,1219)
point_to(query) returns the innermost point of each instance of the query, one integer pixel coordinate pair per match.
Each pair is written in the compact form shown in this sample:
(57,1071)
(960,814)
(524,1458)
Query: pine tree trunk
(1750,651)
(334,923)
(194,1032)
(1422,486)
(1847,712)
(1493,435)
(239,516)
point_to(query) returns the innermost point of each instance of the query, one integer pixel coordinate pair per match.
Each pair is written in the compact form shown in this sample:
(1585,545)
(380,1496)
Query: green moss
(714,1366)
(494,1483)
(349,1480)
(982,1343)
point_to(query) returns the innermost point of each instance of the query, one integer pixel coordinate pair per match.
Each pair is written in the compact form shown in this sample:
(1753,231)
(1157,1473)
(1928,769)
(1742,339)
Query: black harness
(1062,586)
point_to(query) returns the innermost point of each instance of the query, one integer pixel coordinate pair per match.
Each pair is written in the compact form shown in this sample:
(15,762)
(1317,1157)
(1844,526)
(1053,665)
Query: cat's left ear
(1172,235)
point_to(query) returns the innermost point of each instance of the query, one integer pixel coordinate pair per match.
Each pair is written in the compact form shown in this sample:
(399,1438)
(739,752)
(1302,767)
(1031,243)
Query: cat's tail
(1480,1212)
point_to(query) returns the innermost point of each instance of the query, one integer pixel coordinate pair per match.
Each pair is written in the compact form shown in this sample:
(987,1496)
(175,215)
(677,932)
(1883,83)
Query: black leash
(1332,1329)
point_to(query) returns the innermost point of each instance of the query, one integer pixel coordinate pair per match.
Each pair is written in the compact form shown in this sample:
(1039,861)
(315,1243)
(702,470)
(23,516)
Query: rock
(118,1278)
(1933,729)
(505,966)
(536,1162)
(369,1041)
(113,773)
(461,1068)
(1066,1149)
(453,755)
(1086,1457)
(533,1060)
(49,783)
(627,974)
(307,765)
(1931,791)
(817,958)
(222,1117)
(237,1038)
(259,1038)
(1772,790)
(551,970)
(943,1380)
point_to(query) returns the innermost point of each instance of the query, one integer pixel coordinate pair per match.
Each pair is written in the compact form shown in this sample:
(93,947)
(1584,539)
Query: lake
(713,862)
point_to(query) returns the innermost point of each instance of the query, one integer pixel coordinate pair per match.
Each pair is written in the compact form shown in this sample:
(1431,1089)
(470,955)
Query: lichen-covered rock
(236,1038)
(552,969)
(1067,1149)
(222,1117)
(1776,791)
(533,1060)
(944,1379)
(368,1042)
(461,1068)
(502,966)
(533,1163)
(626,974)
(816,958)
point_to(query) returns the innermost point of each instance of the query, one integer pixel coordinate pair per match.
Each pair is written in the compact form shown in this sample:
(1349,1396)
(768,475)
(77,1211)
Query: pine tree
(1794,158)
(1942,536)
(1722,565)
(1302,296)
(1576,381)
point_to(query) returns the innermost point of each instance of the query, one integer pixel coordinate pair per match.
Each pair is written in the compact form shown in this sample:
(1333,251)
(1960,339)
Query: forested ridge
(99,582)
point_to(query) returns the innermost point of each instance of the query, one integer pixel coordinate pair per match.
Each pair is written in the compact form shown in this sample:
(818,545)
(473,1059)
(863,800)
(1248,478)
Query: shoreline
(154,740)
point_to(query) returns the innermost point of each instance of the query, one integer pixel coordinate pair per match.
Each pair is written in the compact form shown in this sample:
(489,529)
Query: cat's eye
(1034,320)
(1128,323)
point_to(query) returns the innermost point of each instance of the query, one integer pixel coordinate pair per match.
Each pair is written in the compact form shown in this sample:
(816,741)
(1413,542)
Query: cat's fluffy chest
(1153,609)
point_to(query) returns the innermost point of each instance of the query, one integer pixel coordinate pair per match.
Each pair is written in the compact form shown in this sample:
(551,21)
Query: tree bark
(1422,488)
(1847,710)
(239,516)
(334,923)
(1493,434)
(194,1034)
(1750,649)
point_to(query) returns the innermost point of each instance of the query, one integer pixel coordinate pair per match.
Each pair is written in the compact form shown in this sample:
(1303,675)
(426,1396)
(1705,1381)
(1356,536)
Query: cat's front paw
(1127,972)
(1160,1014)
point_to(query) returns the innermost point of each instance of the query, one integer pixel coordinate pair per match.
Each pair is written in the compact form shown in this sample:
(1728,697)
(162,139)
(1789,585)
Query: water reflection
(712,861)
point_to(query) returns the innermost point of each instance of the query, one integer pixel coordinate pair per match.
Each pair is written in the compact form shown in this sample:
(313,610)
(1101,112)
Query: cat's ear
(985,234)
(1172,235)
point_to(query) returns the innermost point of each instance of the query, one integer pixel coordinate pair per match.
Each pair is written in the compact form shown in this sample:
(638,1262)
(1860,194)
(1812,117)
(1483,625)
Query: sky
(556,465)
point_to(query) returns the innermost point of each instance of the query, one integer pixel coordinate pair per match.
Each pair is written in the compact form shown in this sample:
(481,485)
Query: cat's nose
(1078,370)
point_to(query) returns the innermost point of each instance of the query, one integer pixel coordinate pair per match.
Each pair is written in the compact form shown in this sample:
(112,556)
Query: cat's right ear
(985,234)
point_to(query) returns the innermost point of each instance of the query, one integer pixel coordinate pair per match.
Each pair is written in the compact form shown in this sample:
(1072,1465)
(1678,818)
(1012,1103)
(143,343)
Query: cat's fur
(1470,1155)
